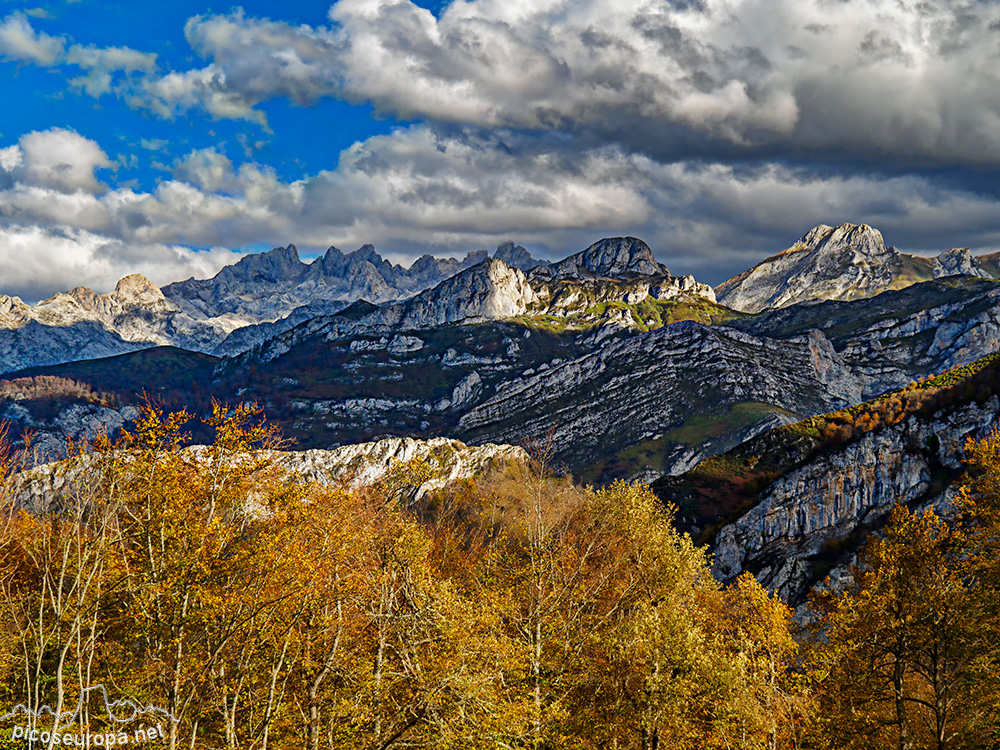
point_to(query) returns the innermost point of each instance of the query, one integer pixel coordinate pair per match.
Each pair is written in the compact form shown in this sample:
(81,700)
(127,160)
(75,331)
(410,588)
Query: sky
(170,138)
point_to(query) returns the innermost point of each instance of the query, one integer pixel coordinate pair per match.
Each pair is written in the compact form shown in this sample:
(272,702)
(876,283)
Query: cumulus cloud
(208,170)
(102,63)
(61,160)
(416,190)
(208,88)
(872,78)
(21,43)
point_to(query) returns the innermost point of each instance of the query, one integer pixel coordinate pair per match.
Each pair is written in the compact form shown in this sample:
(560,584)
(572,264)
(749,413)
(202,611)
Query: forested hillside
(512,609)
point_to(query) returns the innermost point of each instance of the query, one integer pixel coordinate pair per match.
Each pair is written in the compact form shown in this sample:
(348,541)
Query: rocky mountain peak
(13,312)
(611,257)
(488,291)
(814,236)
(274,266)
(366,252)
(136,289)
(860,238)
(516,256)
(475,257)
(843,262)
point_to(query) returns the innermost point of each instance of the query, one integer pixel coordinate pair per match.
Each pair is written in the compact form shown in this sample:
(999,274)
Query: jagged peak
(366,252)
(610,257)
(486,267)
(274,265)
(474,257)
(621,255)
(517,256)
(957,261)
(955,252)
(814,235)
(827,262)
(289,252)
(861,237)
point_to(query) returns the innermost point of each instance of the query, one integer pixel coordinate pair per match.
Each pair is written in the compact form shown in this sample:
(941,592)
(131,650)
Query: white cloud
(416,191)
(36,262)
(20,42)
(208,170)
(62,160)
(176,93)
(872,77)
(880,80)
(101,63)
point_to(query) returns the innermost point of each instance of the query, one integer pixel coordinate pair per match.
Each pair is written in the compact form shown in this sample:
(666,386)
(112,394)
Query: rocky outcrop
(612,257)
(958,261)
(41,487)
(366,463)
(832,501)
(488,291)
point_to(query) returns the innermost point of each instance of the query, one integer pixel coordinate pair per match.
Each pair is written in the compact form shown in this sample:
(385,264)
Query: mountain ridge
(842,263)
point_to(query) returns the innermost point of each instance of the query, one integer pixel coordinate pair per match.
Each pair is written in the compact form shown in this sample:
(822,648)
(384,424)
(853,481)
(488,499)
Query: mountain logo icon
(123,711)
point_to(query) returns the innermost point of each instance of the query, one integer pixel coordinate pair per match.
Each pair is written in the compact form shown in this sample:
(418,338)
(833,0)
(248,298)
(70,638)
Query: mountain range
(604,360)
(274,290)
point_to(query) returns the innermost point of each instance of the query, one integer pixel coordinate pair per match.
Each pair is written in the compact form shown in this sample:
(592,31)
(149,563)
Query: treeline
(514,610)
(978,381)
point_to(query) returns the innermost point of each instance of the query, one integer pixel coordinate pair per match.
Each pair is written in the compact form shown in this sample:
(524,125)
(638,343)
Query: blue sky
(299,140)
(168,139)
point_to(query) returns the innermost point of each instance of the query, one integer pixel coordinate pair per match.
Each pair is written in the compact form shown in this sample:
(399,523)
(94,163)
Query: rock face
(634,389)
(613,257)
(488,291)
(958,261)
(841,263)
(899,335)
(366,463)
(354,465)
(826,503)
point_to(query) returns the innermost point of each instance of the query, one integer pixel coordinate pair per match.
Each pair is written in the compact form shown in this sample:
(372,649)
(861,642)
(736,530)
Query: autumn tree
(903,659)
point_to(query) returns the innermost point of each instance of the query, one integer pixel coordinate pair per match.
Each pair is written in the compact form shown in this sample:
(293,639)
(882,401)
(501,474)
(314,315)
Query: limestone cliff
(811,518)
